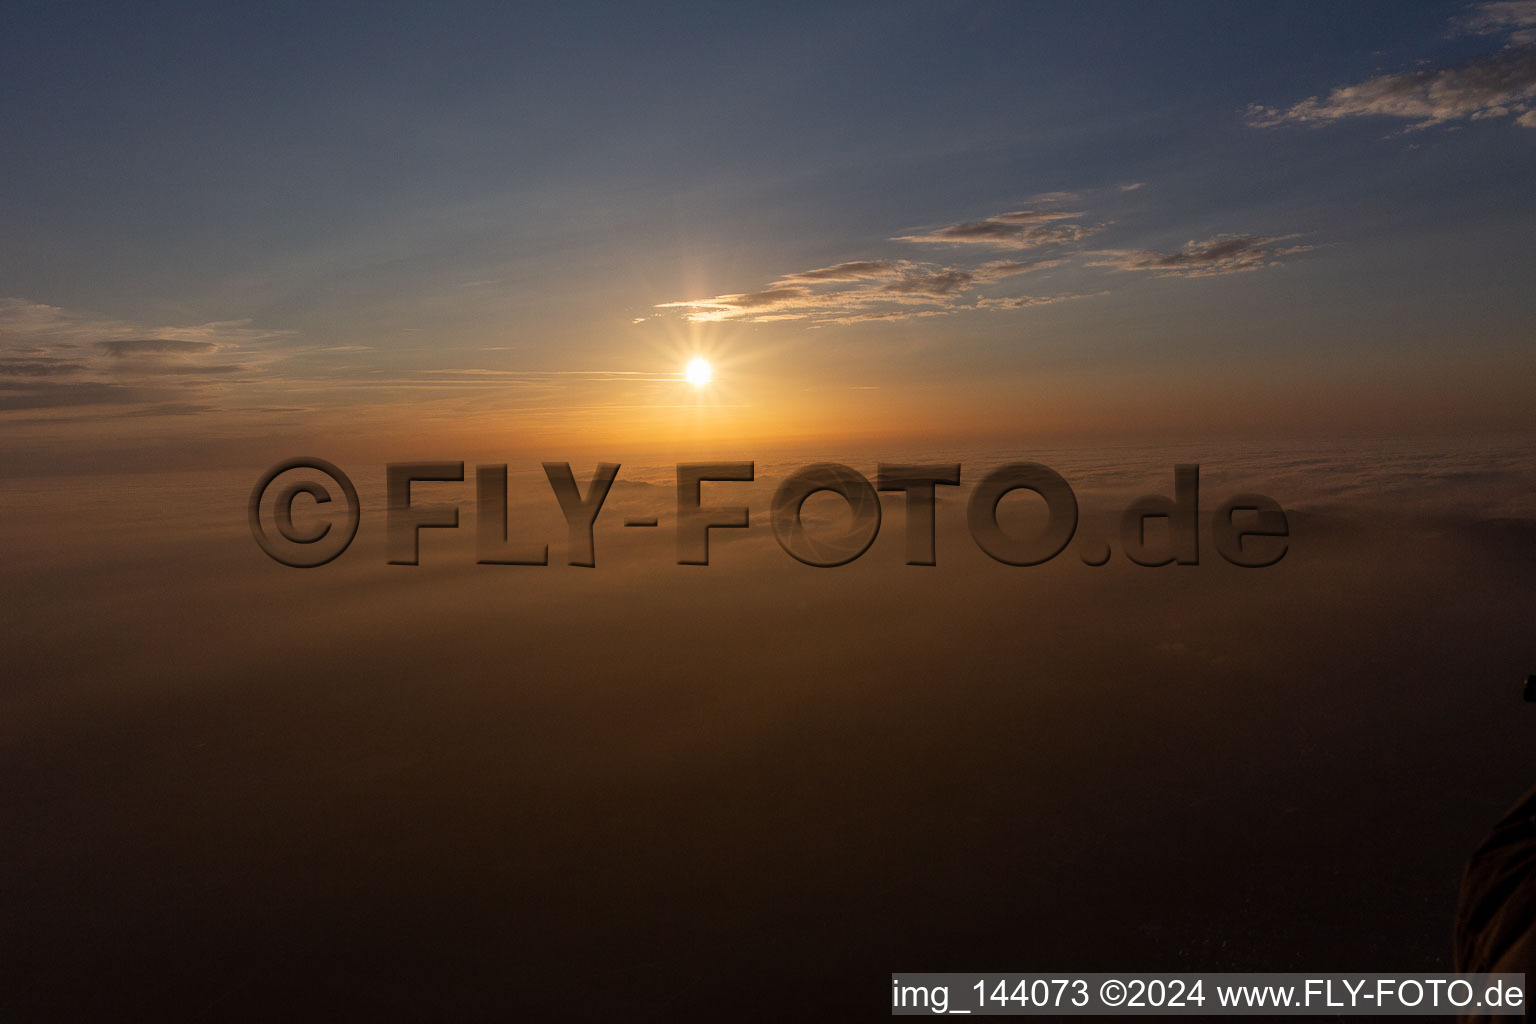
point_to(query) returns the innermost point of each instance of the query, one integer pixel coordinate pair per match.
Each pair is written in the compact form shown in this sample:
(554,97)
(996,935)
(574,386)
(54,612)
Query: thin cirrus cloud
(1029,301)
(165,357)
(1492,85)
(51,358)
(54,360)
(1514,18)
(858,291)
(875,290)
(125,348)
(1017,229)
(39,366)
(1224,254)
(871,290)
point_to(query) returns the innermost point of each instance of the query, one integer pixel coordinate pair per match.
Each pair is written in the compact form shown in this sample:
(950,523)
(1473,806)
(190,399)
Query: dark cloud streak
(127,347)
(1224,254)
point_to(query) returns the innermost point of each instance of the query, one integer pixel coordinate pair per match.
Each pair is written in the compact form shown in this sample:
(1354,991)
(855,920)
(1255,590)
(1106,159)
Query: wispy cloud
(131,347)
(1224,254)
(860,291)
(35,326)
(39,366)
(1030,301)
(891,289)
(54,358)
(999,269)
(1515,19)
(856,270)
(1492,85)
(859,318)
(53,394)
(1016,229)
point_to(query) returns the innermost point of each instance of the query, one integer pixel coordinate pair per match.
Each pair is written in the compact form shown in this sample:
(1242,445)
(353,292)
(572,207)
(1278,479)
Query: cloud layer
(1017,229)
(859,290)
(1493,85)
(51,358)
(1224,254)
(889,289)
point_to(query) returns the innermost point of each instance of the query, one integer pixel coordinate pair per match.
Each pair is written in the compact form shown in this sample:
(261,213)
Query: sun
(699,373)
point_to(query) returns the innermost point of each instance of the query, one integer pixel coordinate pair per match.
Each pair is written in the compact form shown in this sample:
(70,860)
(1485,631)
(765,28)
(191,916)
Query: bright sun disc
(698,372)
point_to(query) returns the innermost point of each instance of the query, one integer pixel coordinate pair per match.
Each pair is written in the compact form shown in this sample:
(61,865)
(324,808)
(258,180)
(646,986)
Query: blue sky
(494,189)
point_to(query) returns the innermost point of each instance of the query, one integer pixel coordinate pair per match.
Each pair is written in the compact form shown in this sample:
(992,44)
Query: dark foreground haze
(644,790)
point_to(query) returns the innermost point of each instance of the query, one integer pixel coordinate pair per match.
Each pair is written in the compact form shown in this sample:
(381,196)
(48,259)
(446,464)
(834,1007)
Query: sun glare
(698,373)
